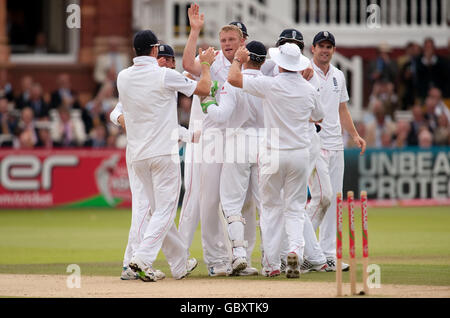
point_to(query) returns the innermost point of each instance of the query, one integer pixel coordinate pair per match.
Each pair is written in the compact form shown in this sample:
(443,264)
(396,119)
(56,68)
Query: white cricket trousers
(161,179)
(239,194)
(215,242)
(140,214)
(283,216)
(190,208)
(313,251)
(324,183)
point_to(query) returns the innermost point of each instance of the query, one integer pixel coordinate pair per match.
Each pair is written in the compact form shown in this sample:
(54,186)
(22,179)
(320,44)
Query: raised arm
(204,84)
(235,75)
(196,22)
(347,124)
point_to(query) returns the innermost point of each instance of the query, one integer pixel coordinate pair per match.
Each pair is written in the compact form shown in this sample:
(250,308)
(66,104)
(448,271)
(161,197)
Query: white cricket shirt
(333,92)
(219,72)
(289,101)
(147,93)
(238,109)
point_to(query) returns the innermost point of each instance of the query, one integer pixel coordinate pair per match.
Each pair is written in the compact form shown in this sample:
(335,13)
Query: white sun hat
(289,57)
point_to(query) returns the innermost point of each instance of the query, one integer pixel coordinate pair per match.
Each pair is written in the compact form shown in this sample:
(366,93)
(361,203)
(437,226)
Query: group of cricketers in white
(287,111)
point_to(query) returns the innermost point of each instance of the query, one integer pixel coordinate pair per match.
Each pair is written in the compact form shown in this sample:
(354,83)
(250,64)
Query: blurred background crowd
(407,104)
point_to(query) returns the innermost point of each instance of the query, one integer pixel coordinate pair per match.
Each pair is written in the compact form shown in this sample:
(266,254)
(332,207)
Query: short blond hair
(227,28)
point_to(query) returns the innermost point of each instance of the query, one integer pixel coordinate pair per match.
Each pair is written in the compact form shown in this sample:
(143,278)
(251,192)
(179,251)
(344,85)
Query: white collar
(251,71)
(144,60)
(319,70)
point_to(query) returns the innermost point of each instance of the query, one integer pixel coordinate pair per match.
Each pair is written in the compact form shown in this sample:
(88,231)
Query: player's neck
(248,67)
(325,67)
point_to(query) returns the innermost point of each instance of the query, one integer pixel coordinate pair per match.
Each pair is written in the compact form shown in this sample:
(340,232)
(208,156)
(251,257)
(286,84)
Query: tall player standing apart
(147,93)
(289,102)
(216,246)
(330,165)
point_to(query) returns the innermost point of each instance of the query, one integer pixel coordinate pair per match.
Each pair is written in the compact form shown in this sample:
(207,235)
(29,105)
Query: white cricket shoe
(191,264)
(248,271)
(293,268)
(239,264)
(219,270)
(307,267)
(128,274)
(331,262)
(159,275)
(145,272)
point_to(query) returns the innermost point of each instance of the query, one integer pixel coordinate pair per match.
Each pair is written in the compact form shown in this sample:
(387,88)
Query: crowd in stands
(406,106)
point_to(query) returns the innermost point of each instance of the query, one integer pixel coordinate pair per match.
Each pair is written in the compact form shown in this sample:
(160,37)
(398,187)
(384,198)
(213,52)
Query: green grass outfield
(411,245)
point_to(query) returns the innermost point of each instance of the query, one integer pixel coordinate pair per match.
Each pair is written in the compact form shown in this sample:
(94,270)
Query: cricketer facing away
(289,103)
(147,93)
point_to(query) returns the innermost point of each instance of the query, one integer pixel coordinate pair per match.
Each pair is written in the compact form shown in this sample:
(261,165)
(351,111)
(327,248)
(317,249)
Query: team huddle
(287,112)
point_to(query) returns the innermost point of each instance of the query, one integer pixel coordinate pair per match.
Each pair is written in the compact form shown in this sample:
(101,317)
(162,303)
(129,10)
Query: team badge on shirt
(336,87)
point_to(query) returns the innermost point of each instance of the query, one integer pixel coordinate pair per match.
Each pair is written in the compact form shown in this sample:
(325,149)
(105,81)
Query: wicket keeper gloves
(211,99)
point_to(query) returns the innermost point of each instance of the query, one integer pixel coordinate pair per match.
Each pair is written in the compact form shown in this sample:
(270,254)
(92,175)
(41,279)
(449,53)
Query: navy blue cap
(144,40)
(292,36)
(241,26)
(324,36)
(165,50)
(257,51)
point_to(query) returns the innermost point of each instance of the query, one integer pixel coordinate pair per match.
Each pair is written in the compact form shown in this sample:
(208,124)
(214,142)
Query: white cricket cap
(289,57)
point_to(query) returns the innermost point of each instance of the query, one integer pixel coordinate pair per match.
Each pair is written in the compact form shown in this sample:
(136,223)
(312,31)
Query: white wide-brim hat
(289,57)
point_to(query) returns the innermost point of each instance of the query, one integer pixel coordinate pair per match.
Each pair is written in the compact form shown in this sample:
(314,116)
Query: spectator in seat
(6,89)
(24,96)
(386,138)
(442,132)
(383,68)
(417,124)
(110,63)
(98,137)
(381,122)
(100,106)
(64,93)
(425,138)
(37,103)
(436,97)
(432,71)
(68,131)
(44,136)
(8,124)
(401,134)
(27,131)
(408,75)
(385,92)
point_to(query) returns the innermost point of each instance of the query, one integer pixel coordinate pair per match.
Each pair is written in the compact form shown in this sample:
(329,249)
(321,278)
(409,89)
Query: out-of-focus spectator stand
(112,57)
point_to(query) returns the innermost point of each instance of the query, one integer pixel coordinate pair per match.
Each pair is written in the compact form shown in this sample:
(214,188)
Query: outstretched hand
(207,56)
(242,54)
(196,20)
(307,73)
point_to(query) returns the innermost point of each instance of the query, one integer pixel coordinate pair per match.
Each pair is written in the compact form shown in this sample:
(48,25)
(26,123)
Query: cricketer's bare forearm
(189,63)
(204,84)
(235,77)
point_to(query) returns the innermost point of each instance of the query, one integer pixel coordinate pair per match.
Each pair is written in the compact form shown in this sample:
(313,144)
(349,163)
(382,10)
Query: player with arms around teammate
(141,205)
(244,115)
(289,102)
(147,93)
(215,243)
(327,178)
